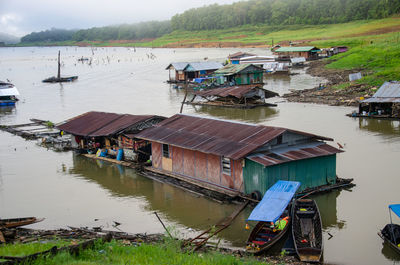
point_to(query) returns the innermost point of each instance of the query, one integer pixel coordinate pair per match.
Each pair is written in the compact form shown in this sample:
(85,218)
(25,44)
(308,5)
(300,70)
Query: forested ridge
(283,12)
(253,12)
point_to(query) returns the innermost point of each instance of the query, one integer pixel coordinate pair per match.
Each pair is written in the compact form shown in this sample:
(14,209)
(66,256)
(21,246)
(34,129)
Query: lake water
(71,190)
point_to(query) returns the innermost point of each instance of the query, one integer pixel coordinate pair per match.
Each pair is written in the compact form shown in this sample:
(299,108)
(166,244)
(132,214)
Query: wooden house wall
(238,175)
(177,161)
(156,153)
(201,166)
(189,162)
(198,165)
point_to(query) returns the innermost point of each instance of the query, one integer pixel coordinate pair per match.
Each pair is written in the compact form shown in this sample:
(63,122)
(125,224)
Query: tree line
(269,12)
(283,12)
(138,31)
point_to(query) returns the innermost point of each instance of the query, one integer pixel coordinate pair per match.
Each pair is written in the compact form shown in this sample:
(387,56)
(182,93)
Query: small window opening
(226,165)
(165,150)
(279,139)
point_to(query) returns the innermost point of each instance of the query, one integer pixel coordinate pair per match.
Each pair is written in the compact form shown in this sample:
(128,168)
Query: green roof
(296,49)
(231,69)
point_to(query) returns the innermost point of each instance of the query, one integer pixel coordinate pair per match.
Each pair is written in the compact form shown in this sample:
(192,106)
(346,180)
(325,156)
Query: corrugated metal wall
(310,173)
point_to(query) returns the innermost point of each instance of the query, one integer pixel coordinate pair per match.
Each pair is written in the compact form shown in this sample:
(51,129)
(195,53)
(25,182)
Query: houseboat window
(279,139)
(165,148)
(226,165)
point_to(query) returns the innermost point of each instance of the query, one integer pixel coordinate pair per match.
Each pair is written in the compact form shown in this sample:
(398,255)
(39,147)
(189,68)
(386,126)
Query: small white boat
(8,93)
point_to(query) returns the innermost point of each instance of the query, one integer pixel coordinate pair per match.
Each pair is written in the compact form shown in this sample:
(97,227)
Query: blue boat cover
(395,208)
(275,201)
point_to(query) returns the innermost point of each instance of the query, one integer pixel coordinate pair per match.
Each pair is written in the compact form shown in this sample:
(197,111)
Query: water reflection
(255,115)
(389,128)
(5,110)
(390,253)
(179,206)
(327,204)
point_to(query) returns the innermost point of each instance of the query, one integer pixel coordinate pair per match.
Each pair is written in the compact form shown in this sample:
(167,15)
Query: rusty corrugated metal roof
(293,153)
(234,91)
(240,55)
(388,92)
(214,136)
(95,123)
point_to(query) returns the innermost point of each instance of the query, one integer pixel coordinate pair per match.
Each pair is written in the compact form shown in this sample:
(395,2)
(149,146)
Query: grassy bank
(123,252)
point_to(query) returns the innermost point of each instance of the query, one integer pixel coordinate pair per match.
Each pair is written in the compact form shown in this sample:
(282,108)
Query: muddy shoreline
(326,93)
(26,235)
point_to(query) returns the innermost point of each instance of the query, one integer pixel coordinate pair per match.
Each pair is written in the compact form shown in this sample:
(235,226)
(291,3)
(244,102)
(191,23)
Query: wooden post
(59,65)
(184,99)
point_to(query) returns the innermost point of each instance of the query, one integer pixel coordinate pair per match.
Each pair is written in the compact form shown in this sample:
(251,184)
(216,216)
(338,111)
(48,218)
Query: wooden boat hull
(307,230)
(61,79)
(262,237)
(17,222)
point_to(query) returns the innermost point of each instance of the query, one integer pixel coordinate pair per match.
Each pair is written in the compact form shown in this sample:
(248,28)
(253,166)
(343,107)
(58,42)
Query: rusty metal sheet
(269,159)
(101,123)
(214,136)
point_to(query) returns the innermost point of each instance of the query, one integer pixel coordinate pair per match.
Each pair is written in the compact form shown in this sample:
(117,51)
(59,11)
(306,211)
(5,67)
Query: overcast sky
(20,17)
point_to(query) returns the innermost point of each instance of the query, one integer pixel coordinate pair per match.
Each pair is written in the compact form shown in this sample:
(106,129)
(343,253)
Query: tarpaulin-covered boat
(391,232)
(273,216)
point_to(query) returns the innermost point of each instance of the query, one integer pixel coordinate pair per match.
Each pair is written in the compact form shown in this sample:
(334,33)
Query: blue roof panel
(275,201)
(395,208)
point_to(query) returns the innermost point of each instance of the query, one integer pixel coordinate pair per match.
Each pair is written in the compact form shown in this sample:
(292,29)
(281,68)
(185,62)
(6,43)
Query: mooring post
(159,219)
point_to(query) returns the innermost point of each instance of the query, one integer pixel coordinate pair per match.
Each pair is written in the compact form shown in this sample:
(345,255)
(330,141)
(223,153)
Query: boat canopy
(395,208)
(8,90)
(275,201)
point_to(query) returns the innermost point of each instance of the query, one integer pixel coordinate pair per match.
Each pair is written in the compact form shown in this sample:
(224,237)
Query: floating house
(8,93)
(235,58)
(385,103)
(110,132)
(238,158)
(308,52)
(241,74)
(185,71)
(176,73)
(244,96)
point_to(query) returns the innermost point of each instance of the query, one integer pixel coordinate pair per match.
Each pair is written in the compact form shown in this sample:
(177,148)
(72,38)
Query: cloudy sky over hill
(20,17)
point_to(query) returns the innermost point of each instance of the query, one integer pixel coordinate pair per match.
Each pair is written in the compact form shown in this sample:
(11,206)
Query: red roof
(214,136)
(101,123)
(315,149)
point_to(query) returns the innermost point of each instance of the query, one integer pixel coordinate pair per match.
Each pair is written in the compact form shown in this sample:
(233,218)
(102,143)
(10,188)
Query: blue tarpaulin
(395,208)
(275,201)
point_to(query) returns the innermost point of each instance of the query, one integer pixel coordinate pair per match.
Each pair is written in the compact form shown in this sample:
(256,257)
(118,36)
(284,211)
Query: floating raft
(34,130)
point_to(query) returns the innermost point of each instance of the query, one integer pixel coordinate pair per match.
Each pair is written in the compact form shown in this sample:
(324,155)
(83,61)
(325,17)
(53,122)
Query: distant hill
(8,39)
(271,13)
(50,35)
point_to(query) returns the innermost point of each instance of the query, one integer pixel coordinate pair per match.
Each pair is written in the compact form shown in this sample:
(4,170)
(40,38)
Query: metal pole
(159,219)
(391,226)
